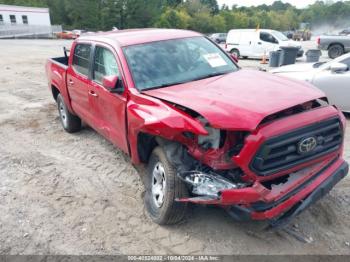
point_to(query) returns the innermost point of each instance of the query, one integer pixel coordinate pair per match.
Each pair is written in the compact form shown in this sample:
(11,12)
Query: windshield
(280,36)
(341,59)
(170,62)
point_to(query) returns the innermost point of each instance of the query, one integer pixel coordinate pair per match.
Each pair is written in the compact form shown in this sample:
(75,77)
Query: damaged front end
(204,162)
(258,173)
(222,167)
(278,200)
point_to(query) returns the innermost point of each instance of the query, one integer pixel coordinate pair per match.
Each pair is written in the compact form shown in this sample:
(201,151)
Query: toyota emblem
(306,145)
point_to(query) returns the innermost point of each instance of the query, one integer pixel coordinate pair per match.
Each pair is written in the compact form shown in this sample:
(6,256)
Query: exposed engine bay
(201,179)
(207,168)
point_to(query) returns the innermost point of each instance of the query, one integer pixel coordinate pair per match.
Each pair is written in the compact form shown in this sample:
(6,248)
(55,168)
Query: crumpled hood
(239,100)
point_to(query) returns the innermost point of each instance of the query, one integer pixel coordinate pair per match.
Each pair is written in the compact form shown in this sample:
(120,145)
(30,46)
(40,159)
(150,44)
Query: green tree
(199,15)
(173,3)
(212,5)
(172,18)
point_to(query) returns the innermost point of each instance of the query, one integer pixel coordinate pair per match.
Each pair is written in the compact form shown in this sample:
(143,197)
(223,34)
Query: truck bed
(62,61)
(56,69)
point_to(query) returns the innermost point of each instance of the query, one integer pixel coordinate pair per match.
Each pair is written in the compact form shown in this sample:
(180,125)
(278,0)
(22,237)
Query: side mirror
(338,67)
(110,82)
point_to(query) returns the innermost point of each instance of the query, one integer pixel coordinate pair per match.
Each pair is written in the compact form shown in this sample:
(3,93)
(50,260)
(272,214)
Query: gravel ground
(77,194)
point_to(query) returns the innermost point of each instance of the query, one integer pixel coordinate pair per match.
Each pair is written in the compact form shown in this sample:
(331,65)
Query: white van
(255,43)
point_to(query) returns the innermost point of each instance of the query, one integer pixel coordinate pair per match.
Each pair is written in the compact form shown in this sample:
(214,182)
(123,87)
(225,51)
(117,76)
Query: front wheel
(162,188)
(70,122)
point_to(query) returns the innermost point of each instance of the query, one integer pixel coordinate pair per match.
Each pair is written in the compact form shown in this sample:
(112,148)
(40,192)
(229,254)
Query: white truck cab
(255,43)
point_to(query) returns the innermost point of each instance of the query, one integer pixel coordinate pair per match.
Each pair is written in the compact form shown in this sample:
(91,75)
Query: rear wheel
(335,50)
(162,188)
(235,52)
(70,122)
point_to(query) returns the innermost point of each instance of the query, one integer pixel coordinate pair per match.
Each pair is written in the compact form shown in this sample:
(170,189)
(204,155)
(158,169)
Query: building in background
(22,15)
(23,21)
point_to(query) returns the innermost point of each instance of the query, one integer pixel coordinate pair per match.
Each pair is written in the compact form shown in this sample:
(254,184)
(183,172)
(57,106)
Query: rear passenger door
(109,105)
(78,81)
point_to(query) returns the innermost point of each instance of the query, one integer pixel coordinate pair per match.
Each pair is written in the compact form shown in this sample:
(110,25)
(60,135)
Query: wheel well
(332,44)
(145,145)
(235,50)
(55,92)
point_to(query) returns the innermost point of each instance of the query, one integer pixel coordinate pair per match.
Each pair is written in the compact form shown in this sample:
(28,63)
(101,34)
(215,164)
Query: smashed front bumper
(260,203)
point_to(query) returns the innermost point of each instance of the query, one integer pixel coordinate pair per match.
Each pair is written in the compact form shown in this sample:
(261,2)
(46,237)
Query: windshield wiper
(183,82)
(208,76)
(164,85)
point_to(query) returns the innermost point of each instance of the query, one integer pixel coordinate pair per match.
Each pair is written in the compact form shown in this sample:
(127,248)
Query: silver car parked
(331,77)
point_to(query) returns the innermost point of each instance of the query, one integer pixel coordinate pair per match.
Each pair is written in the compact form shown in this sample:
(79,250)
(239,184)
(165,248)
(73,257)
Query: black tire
(335,50)
(235,51)
(70,122)
(169,211)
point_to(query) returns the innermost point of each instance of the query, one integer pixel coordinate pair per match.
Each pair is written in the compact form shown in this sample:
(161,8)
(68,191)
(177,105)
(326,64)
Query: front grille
(282,152)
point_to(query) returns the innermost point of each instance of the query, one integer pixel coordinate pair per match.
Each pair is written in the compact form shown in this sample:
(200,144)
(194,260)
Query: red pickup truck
(261,146)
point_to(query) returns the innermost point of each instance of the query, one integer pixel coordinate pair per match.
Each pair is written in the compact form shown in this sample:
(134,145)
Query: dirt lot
(77,194)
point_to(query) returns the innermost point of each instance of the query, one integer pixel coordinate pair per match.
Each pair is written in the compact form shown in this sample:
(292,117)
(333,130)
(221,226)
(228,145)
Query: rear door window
(81,58)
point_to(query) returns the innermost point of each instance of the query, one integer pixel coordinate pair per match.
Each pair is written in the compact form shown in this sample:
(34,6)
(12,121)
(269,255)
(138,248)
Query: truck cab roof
(138,36)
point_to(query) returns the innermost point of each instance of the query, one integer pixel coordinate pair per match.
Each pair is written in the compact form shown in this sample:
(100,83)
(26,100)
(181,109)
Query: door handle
(92,93)
(259,43)
(70,81)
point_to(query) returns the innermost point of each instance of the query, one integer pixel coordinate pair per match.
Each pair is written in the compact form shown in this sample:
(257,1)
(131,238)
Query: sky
(297,3)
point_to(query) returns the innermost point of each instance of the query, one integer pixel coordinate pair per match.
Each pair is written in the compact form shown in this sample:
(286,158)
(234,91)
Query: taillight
(318,40)
(225,46)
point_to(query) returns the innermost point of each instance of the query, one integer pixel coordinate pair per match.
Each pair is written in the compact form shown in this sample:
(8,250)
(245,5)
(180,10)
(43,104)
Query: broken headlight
(203,184)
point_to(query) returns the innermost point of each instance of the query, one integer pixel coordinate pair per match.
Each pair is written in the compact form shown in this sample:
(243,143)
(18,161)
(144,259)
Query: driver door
(109,105)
